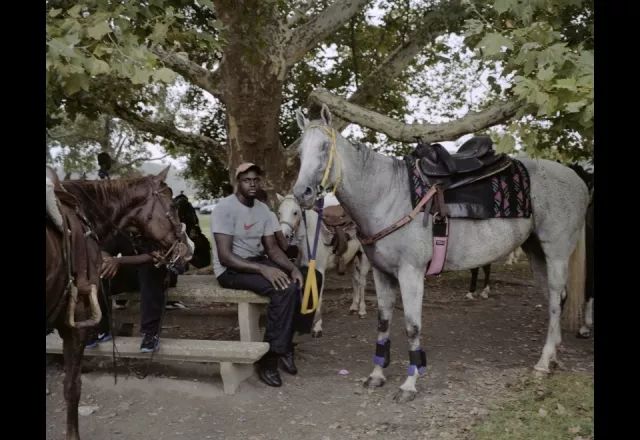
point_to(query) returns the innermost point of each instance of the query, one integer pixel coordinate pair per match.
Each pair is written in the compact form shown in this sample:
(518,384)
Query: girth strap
(403,221)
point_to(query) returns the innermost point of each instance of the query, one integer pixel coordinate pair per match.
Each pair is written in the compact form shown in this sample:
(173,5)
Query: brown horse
(93,211)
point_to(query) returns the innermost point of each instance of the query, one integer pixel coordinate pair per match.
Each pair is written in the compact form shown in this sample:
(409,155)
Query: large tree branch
(448,131)
(201,77)
(142,159)
(319,27)
(444,18)
(168,130)
(299,13)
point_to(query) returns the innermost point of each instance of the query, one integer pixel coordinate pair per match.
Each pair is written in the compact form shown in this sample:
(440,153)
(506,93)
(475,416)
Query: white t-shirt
(246,224)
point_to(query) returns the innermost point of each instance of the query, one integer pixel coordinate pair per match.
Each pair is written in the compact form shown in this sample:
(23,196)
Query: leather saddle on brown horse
(80,248)
(339,228)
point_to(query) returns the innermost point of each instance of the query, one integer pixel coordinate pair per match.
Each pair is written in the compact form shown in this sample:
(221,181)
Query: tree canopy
(218,81)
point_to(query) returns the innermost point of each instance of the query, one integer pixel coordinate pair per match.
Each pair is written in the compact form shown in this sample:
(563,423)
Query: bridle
(333,154)
(294,227)
(176,251)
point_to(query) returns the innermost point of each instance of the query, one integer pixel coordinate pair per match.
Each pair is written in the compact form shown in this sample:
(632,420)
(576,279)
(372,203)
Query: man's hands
(278,278)
(110,266)
(297,276)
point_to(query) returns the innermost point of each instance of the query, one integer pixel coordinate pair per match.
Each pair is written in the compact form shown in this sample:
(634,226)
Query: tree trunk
(252,74)
(253,125)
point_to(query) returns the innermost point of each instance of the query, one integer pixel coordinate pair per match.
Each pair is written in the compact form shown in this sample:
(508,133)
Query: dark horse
(94,211)
(188,216)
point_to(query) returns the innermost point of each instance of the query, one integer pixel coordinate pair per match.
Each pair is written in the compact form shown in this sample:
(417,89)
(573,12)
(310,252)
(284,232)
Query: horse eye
(295,213)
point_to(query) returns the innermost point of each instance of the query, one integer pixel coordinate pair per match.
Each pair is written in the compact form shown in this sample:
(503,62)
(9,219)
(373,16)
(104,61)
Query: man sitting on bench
(243,233)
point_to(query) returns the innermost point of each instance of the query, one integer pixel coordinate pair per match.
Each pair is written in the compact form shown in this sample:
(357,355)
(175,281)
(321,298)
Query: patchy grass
(558,407)
(204,220)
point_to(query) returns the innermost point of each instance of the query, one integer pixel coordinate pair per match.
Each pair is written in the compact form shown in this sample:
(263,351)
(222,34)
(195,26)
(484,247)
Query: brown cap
(246,166)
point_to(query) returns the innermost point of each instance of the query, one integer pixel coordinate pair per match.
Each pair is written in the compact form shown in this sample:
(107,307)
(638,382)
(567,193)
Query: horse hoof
(583,333)
(469,295)
(316,334)
(403,396)
(540,372)
(363,316)
(374,382)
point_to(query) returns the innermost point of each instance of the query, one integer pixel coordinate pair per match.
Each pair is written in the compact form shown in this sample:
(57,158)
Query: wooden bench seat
(236,358)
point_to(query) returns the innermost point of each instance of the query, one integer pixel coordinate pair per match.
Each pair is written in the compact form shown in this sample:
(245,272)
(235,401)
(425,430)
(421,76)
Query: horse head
(318,158)
(290,216)
(154,215)
(141,204)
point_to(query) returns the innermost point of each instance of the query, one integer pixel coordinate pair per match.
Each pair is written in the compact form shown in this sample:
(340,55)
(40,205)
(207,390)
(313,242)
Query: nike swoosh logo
(247,227)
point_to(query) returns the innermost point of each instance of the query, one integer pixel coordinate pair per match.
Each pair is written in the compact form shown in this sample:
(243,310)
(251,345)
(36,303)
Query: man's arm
(110,264)
(283,243)
(278,256)
(227,258)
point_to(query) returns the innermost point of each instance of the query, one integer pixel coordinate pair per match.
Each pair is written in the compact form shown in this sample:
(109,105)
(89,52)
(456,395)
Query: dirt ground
(476,350)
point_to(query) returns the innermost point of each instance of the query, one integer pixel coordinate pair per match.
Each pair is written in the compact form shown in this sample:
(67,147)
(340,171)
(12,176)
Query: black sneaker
(150,343)
(173,305)
(94,341)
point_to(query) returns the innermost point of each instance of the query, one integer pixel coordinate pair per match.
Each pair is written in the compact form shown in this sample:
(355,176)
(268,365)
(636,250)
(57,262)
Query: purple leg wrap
(383,353)
(417,361)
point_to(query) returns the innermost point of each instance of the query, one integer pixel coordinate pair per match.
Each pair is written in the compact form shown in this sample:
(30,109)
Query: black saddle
(474,160)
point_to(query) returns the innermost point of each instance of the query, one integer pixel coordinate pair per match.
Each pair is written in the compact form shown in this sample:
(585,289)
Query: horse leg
(411,281)
(74,340)
(549,273)
(361,267)
(585,330)
(474,282)
(557,273)
(386,294)
(487,288)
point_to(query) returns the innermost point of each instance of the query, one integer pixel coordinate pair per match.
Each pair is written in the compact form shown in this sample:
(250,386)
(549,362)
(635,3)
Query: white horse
(373,190)
(293,228)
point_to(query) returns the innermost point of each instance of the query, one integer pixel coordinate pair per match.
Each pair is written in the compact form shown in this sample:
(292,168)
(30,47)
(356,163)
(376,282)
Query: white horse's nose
(304,195)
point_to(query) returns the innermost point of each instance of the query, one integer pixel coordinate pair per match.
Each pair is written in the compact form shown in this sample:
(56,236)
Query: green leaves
(75,82)
(492,43)
(506,144)
(164,75)
(551,61)
(99,30)
(97,67)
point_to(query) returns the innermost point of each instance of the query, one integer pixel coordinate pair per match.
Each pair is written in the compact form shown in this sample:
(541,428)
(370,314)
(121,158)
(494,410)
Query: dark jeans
(150,281)
(281,310)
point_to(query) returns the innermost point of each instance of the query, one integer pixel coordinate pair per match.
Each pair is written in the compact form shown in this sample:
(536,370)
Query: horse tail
(573,308)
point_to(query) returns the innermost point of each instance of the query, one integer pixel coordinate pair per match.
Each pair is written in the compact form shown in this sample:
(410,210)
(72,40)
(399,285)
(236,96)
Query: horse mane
(100,199)
(365,152)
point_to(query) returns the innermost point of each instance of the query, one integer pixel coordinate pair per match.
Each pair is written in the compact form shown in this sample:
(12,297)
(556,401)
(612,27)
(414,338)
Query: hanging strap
(311,283)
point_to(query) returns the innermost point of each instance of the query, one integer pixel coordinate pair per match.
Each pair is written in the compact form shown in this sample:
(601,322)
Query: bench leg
(248,321)
(233,375)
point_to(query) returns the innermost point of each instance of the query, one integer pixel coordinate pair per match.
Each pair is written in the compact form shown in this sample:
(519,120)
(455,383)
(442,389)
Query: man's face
(248,184)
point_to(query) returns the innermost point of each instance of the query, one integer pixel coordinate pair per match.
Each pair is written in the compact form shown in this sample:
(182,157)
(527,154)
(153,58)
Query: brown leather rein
(403,221)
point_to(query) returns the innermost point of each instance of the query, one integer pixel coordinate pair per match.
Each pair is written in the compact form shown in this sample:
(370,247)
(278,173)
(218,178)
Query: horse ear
(162,175)
(302,121)
(325,114)
(279,197)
